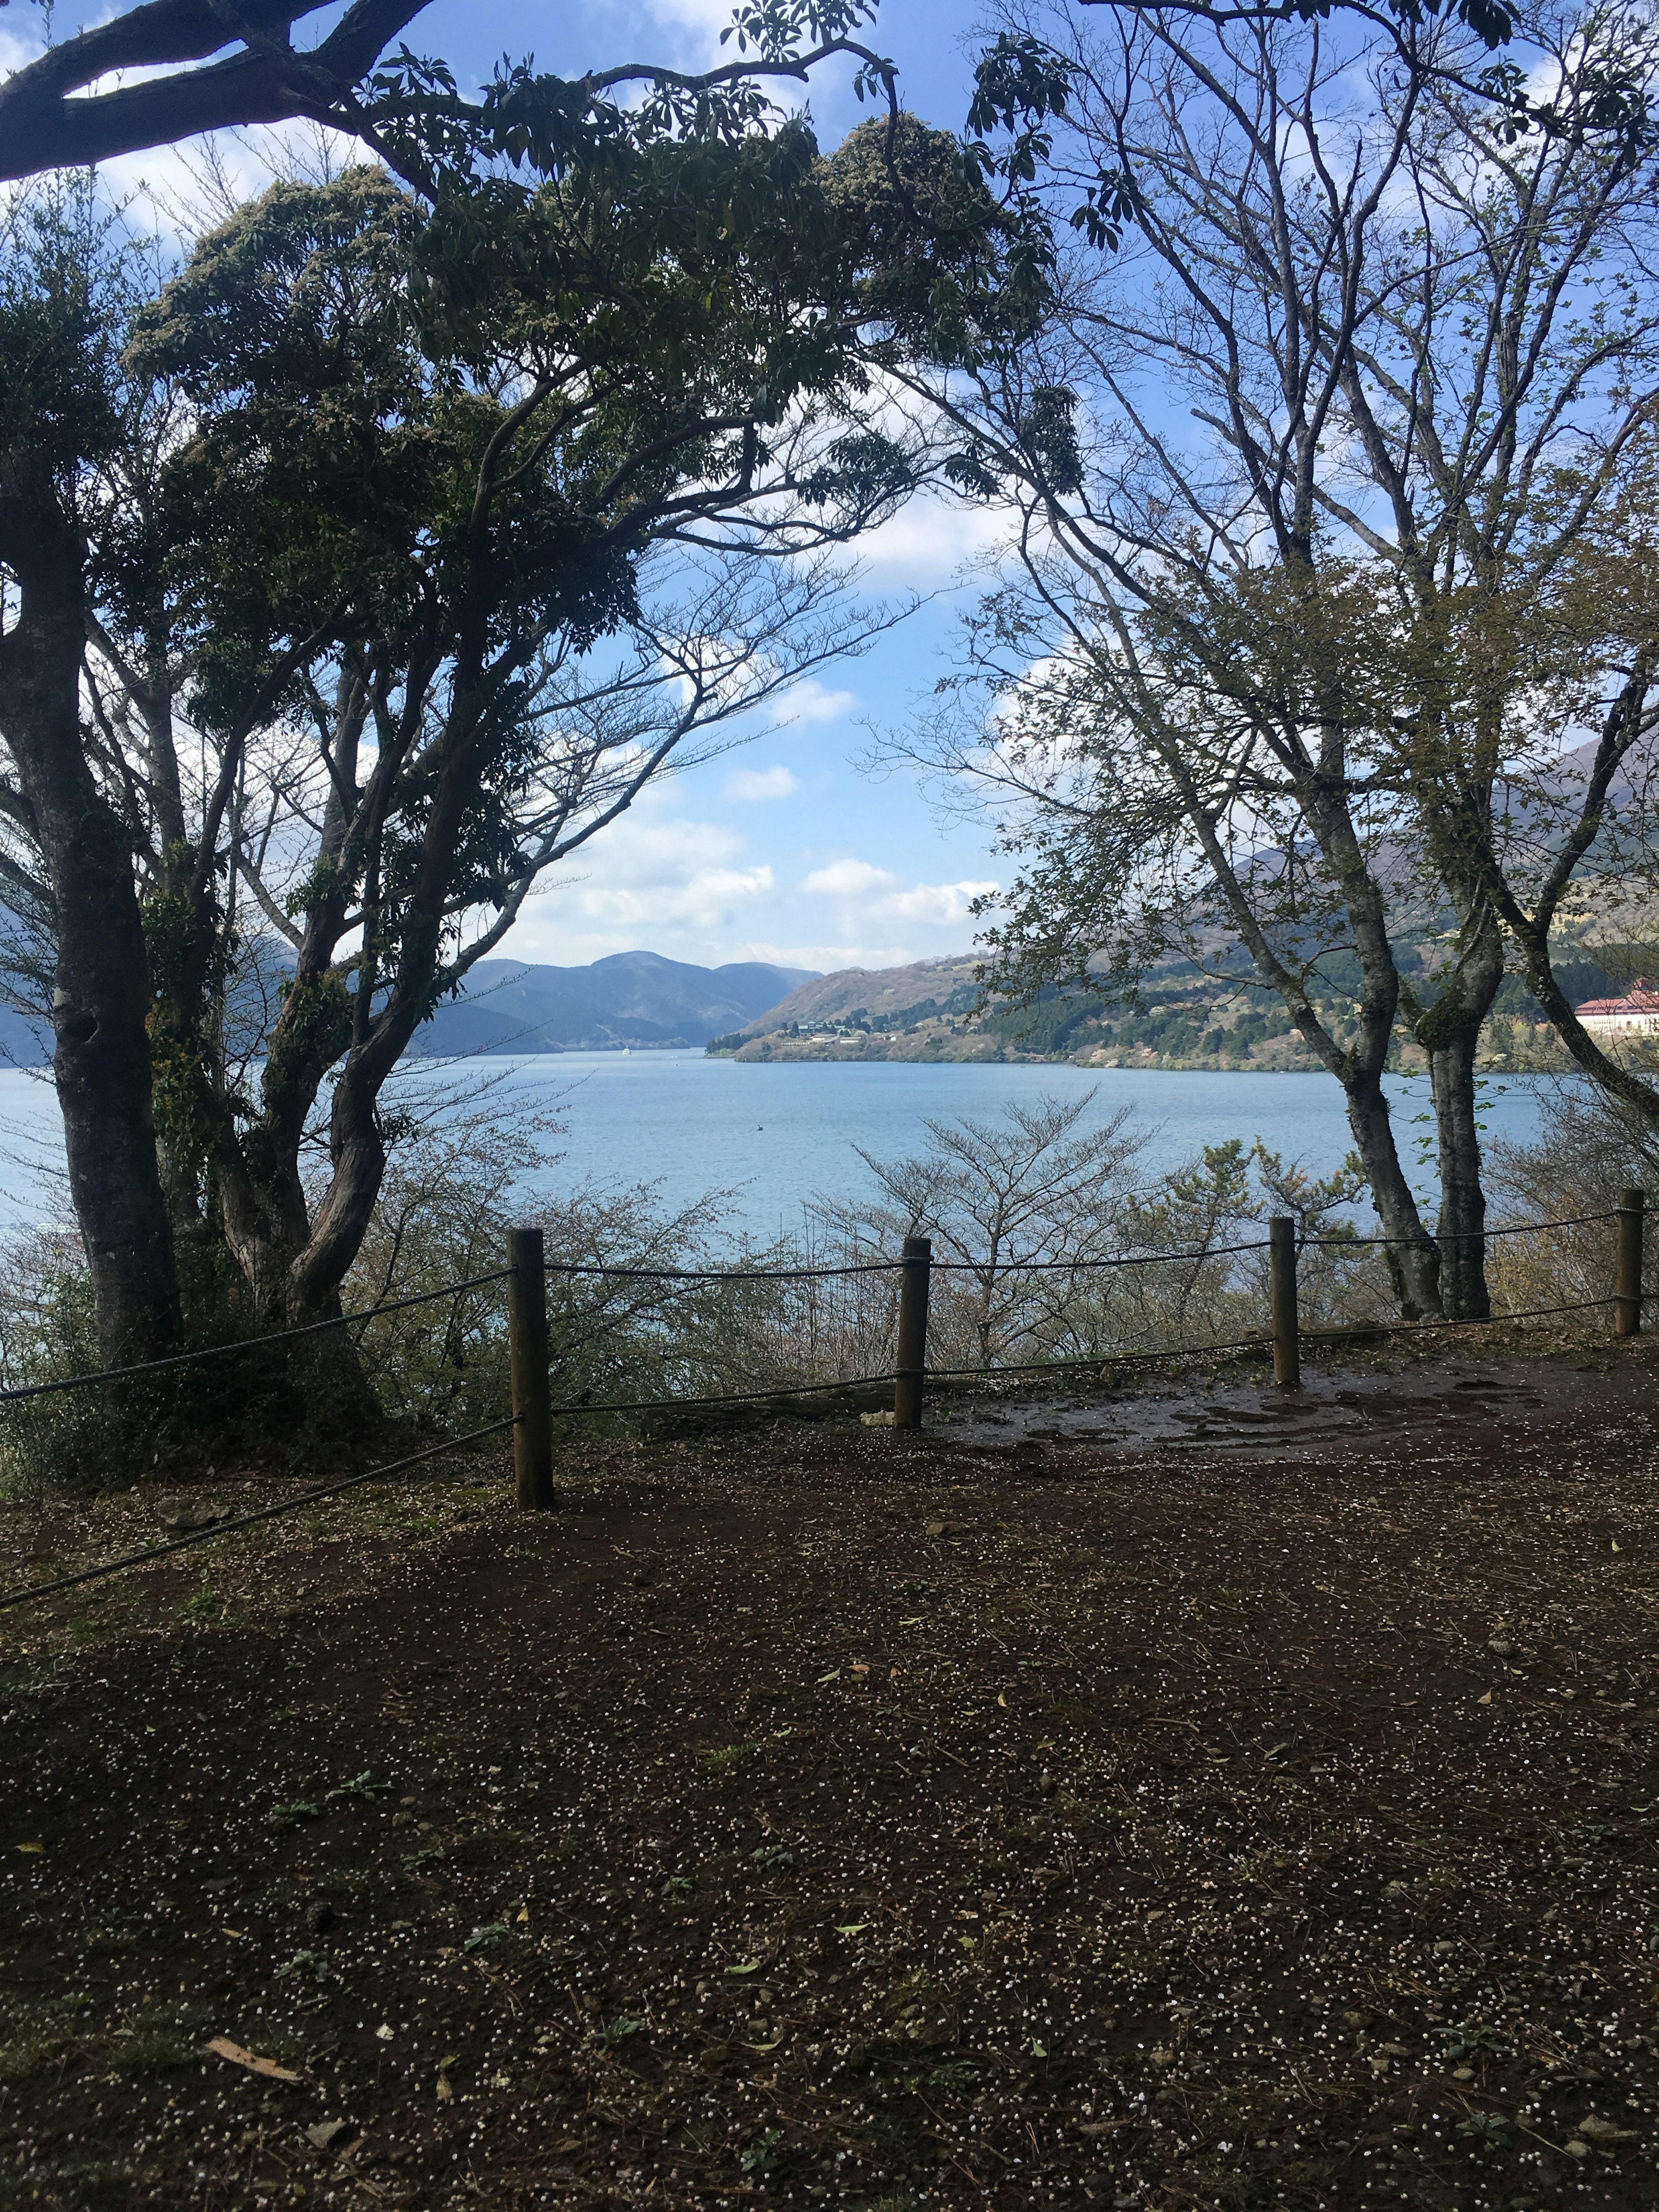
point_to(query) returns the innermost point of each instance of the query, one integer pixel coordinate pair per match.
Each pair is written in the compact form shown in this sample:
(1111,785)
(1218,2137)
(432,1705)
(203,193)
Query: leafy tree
(489,531)
(397,467)
(63,307)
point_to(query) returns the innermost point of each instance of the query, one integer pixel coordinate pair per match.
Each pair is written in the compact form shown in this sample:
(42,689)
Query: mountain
(926,1010)
(630,999)
(851,993)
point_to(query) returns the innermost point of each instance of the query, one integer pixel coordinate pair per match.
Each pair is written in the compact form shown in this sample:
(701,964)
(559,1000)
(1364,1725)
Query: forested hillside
(630,999)
(938,1009)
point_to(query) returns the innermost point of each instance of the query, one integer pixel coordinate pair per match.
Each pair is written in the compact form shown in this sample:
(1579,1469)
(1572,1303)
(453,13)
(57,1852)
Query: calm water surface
(774,1136)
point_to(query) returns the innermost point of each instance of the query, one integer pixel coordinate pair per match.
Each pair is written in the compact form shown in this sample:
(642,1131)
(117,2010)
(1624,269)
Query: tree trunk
(1450,1033)
(1413,1260)
(357,1164)
(1462,1227)
(102,1060)
(356,1146)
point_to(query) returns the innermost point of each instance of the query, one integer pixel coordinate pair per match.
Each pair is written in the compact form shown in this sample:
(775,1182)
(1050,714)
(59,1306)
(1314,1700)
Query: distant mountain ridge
(872,991)
(629,999)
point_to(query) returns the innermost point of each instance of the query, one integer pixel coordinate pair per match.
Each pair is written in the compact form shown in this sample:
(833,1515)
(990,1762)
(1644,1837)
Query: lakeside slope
(935,1011)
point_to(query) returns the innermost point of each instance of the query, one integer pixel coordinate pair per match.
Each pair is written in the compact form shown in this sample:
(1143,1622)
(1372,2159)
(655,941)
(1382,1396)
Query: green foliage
(315,1031)
(188,969)
(274,1407)
(728,1757)
(434,438)
(488,1938)
(61,302)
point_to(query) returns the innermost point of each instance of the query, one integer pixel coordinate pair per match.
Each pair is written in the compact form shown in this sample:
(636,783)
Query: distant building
(1637,1014)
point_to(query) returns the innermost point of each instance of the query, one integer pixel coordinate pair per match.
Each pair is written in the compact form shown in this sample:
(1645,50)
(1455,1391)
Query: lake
(776,1135)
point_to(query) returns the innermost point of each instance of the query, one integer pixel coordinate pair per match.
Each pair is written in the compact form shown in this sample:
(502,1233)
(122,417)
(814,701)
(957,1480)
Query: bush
(1589,1148)
(180,1419)
(1027,1214)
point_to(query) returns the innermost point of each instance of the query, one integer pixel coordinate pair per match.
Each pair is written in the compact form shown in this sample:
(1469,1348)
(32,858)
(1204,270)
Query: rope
(1100,1359)
(1477,1321)
(1314,1332)
(248,1343)
(248,1520)
(727,1274)
(1457,1235)
(1258,1344)
(394,1467)
(1118,1260)
(19,1394)
(731,1397)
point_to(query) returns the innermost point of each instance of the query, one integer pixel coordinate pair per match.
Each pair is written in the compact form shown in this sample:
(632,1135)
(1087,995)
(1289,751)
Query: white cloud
(931,544)
(662,883)
(882,896)
(751,784)
(944,905)
(809,700)
(703,20)
(652,883)
(848,879)
(16,47)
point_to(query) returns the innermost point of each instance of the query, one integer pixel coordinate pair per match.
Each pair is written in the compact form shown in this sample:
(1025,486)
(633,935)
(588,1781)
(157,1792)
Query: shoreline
(795,1056)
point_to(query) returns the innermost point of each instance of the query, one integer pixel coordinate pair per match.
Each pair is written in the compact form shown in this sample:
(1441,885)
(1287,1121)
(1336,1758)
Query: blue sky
(785,850)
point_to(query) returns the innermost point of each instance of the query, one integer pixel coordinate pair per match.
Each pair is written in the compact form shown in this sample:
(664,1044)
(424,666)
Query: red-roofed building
(1637,1014)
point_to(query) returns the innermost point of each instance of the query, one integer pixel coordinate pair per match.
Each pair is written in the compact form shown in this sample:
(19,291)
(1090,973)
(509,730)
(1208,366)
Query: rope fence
(725,1274)
(533,1412)
(250,1343)
(1457,1235)
(248,1520)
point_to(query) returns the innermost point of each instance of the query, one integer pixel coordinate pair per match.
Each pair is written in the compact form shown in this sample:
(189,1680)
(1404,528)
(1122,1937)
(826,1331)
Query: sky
(786,850)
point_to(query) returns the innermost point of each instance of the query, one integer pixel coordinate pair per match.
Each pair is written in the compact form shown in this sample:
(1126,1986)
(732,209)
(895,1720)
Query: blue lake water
(773,1136)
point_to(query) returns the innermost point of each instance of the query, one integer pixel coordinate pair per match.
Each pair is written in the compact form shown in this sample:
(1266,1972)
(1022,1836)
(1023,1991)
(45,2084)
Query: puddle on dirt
(1255,1419)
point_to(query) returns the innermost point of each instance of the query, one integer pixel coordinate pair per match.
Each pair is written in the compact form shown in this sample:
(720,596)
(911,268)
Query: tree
(464,613)
(1051,1243)
(1022,1212)
(1296,684)
(62,308)
(396,470)
(1597,826)
(51,116)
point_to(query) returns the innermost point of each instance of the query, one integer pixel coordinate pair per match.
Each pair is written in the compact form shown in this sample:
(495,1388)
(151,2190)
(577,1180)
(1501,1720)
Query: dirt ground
(1190,1798)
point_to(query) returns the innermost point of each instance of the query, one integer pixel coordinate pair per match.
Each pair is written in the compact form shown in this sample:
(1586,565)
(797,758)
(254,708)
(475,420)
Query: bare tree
(1290,674)
(1022,1211)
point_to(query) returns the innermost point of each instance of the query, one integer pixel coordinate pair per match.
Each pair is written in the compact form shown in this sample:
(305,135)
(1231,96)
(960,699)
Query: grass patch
(35,2037)
(160,2038)
(728,1757)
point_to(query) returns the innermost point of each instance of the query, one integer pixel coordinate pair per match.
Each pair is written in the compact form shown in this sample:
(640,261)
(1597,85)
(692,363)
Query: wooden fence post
(527,1350)
(912,1362)
(1627,1285)
(1281,1278)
